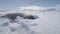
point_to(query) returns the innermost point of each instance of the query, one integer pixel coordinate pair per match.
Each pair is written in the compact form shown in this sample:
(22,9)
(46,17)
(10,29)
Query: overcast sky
(5,4)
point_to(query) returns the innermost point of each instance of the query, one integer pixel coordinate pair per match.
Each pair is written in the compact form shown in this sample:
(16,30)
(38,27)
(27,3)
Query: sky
(8,4)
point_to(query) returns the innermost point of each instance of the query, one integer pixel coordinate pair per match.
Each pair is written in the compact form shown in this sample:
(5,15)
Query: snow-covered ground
(47,23)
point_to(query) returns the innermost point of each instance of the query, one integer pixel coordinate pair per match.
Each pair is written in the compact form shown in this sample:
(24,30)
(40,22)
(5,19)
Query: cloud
(40,26)
(51,9)
(39,8)
(33,8)
(58,7)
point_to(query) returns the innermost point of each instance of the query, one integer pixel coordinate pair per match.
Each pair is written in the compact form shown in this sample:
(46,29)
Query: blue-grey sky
(5,4)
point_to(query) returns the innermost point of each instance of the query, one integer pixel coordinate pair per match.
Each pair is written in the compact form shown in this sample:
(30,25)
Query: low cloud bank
(34,8)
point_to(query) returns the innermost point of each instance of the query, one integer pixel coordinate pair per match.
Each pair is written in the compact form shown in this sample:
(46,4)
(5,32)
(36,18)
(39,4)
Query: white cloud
(57,6)
(39,8)
(33,8)
(45,24)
